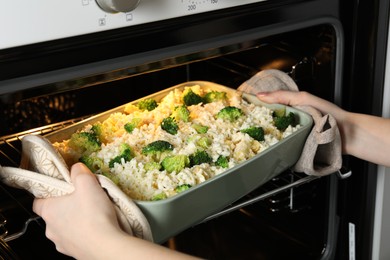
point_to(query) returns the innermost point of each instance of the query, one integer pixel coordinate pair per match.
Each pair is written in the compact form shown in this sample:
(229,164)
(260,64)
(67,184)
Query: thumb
(80,172)
(285,97)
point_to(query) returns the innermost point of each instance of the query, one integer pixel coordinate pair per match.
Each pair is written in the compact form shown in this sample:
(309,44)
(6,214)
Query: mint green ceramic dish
(171,216)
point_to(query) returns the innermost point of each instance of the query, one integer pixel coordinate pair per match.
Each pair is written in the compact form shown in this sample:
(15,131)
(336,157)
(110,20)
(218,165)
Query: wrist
(102,242)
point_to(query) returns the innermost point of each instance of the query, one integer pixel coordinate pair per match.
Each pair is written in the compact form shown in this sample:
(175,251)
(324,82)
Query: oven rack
(10,154)
(287,181)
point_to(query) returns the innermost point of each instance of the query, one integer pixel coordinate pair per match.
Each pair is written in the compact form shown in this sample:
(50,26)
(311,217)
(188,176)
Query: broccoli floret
(222,161)
(181,113)
(255,132)
(157,147)
(213,96)
(150,166)
(114,178)
(125,153)
(160,196)
(230,113)
(279,112)
(200,129)
(92,162)
(283,122)
(200,141)
(175,163)
(96,129)
(199,157)
(85,142)
(191,98)
(204,142)
(130,126)
(170,125)
(147,104)
(182,188)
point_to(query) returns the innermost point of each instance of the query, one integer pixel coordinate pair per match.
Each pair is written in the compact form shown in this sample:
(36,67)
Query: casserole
(170,216)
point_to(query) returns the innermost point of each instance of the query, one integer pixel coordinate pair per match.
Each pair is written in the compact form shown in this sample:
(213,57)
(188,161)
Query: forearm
(363,136)
(119,245)
(366,137)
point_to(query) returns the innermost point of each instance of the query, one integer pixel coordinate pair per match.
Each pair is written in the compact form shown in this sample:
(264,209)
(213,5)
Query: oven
(63,61)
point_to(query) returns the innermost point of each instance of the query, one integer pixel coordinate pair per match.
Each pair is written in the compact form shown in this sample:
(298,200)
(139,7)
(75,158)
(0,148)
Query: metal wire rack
(10,155)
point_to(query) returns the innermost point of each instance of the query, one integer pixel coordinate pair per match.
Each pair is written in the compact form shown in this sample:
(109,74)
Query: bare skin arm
(84,224)
(364,136)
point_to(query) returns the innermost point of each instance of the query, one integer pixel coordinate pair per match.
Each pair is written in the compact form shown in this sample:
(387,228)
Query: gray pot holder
(322,153)
(44,173)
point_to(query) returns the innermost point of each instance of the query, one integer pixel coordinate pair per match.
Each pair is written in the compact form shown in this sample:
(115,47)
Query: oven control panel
(116,6)
(28,22)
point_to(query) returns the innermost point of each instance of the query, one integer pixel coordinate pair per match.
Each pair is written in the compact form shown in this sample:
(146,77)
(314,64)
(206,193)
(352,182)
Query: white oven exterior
(381,250)
(40,21)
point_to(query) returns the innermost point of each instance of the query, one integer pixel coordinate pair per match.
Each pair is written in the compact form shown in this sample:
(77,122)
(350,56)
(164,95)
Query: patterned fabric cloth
(43,172)
(321,154)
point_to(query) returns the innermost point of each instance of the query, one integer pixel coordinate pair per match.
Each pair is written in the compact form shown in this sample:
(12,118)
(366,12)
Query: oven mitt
(321,154)
(44,173)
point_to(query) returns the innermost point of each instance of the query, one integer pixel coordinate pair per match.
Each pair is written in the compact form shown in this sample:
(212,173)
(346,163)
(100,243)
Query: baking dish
(170,216)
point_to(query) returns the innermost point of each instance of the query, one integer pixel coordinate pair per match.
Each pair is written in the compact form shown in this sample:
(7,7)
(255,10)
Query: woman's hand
(364,136)
(299,98)
(72,220)
(84,224)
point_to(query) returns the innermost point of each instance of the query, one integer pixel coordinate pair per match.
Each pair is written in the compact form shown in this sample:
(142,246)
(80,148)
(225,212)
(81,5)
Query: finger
(273,97)
(290,98)
(37,206)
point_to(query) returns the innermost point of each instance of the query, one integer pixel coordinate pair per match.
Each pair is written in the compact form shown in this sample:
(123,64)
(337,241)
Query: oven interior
(290,216)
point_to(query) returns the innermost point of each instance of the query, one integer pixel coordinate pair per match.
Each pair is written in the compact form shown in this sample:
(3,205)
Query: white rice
(226,138)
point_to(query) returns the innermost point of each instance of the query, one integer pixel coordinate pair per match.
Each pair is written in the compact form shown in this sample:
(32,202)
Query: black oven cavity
(290,216)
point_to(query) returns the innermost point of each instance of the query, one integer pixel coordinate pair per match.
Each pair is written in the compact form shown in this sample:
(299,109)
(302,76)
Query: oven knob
(116,6)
